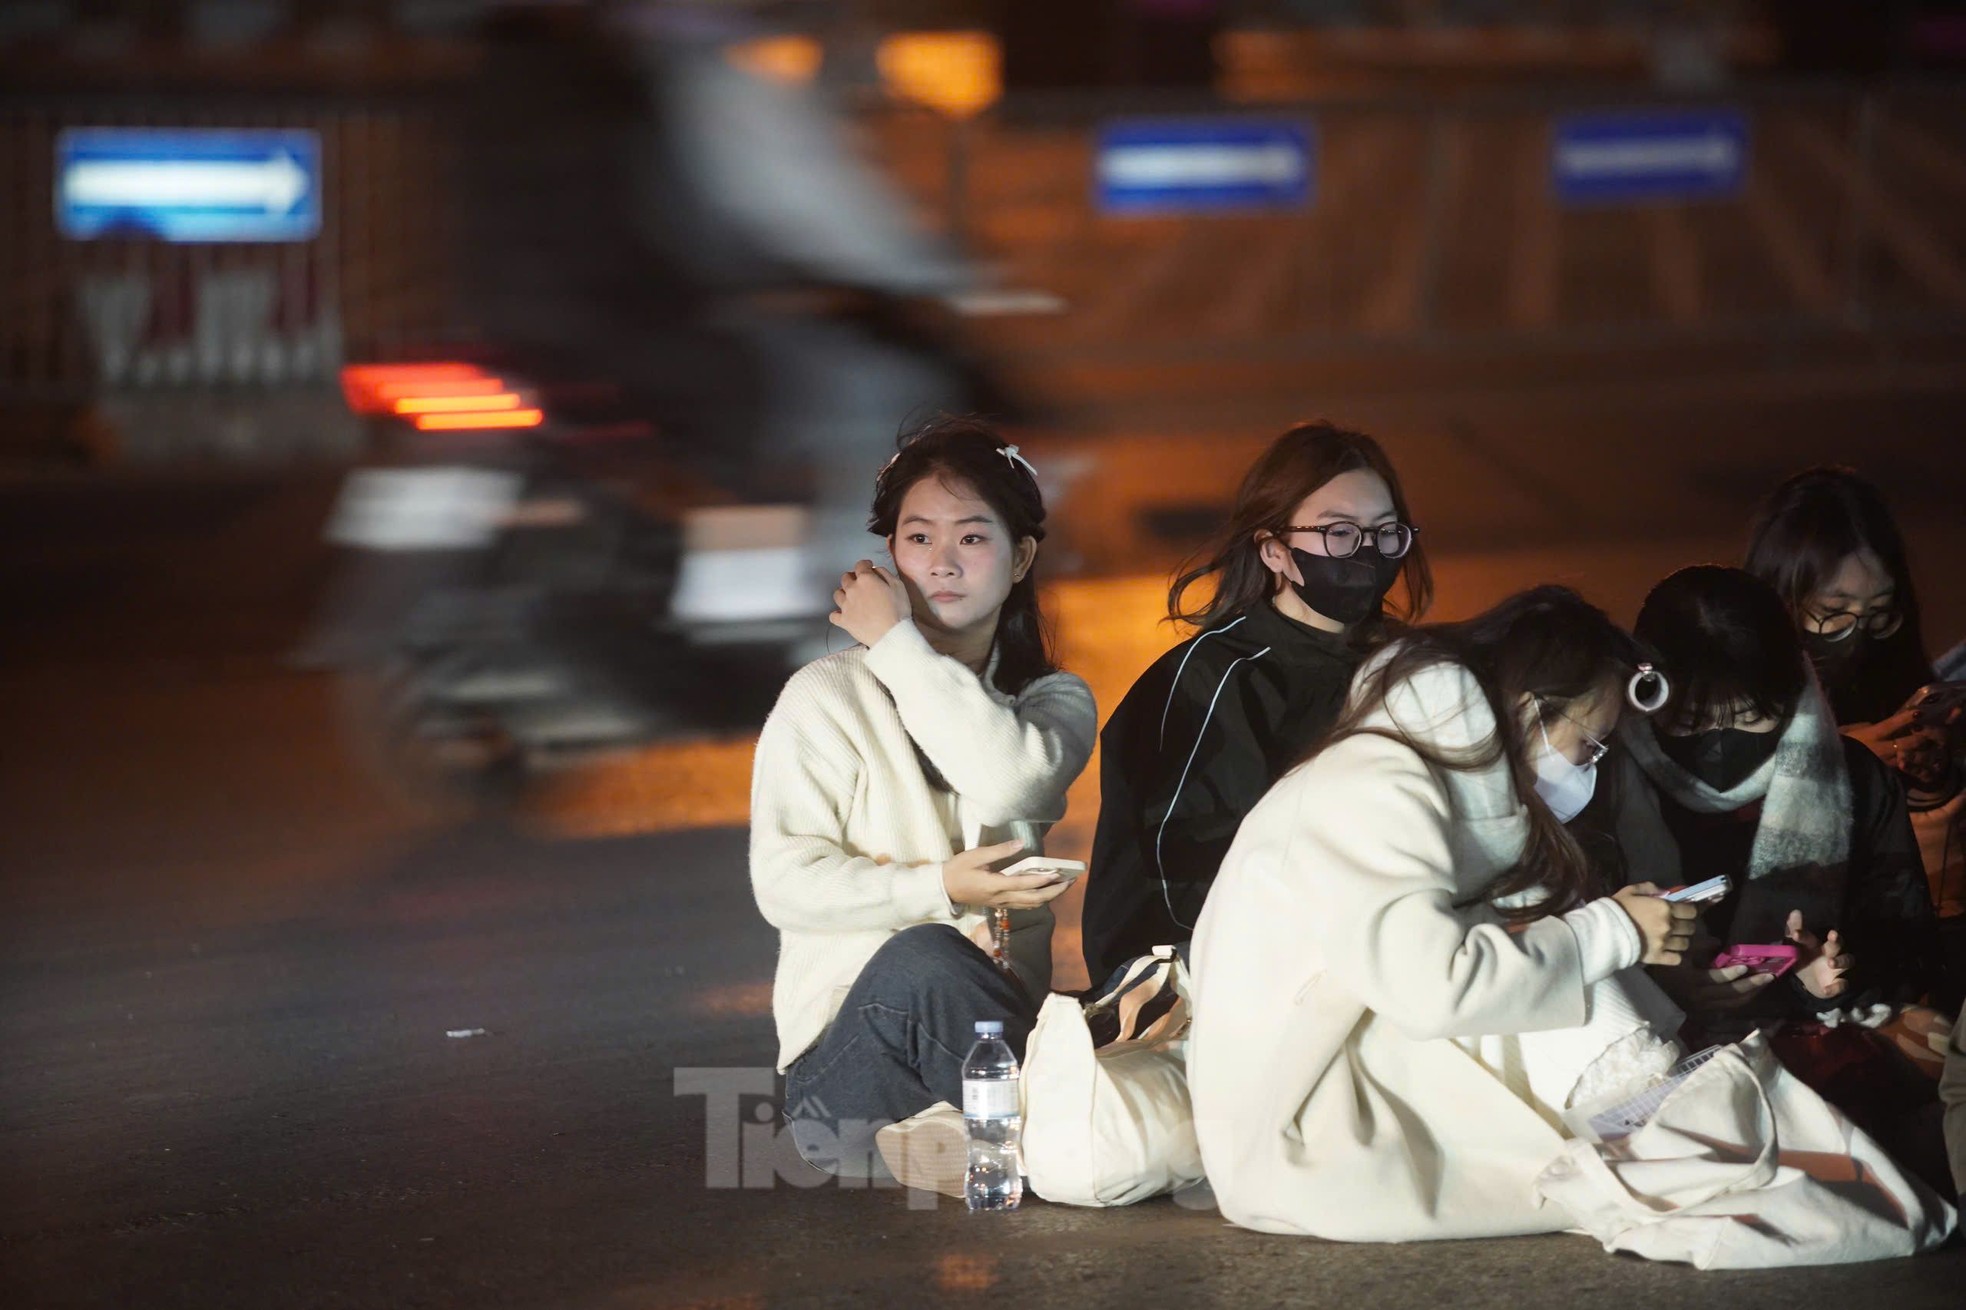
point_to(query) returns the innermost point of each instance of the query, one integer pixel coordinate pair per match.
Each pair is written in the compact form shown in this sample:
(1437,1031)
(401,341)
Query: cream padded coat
(1340,995)
(847,834)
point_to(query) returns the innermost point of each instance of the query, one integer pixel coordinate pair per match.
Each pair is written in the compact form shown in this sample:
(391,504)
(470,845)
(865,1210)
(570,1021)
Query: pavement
(233,1080)
(275,1038)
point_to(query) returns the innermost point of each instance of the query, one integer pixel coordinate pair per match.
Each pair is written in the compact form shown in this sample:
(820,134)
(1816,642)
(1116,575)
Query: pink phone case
(1775,957)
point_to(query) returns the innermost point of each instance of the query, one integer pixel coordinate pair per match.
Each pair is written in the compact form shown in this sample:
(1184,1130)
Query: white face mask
(1565,787)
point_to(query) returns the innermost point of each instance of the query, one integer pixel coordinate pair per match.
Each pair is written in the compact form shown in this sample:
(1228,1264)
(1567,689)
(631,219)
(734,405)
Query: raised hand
(868,603)
(1906,742)
(1827,961)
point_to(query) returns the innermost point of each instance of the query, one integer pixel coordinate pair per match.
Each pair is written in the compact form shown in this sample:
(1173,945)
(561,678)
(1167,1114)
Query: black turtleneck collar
(1272,627)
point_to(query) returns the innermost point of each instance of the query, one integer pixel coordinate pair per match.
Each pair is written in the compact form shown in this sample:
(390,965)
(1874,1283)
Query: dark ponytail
(969,453)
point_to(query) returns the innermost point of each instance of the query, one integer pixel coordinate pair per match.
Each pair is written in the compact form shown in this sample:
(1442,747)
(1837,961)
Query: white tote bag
(1114,1125)
(1744,1167)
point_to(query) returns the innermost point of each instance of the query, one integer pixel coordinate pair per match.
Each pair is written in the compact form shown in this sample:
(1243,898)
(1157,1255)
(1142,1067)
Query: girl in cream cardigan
(891,780)
(1400,973)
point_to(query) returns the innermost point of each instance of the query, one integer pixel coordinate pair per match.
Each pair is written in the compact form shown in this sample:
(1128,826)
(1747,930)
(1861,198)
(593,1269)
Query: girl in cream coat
(890,782)
(1400,974)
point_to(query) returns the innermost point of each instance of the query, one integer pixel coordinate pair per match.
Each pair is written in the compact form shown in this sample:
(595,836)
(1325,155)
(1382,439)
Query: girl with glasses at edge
(1293,597)
(1828,545)
(891,780)
(1405,966)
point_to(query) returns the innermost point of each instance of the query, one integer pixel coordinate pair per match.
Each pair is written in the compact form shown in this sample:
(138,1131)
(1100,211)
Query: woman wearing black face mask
(1826,542)
(1300,575)
(1743,775)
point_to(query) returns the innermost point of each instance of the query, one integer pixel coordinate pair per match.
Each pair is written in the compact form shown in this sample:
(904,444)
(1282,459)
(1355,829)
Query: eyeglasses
(1599,749)
(1342,540)
(1835,625)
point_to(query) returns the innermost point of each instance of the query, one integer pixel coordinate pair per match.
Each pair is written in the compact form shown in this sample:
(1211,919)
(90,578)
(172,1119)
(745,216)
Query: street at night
(234,960)
(429,433)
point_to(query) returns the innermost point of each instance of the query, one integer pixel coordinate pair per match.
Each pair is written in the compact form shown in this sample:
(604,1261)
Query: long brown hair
(1549,643)
(1295,465)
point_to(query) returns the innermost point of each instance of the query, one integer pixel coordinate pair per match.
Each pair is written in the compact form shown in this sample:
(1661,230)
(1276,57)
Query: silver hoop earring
(1648,691)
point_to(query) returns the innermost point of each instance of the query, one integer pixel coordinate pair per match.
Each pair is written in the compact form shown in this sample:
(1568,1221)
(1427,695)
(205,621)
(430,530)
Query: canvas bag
(1112,1125)
(1744,1167)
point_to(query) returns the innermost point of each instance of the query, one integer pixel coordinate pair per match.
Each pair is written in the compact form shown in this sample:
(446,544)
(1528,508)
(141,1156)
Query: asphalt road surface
(274,1039)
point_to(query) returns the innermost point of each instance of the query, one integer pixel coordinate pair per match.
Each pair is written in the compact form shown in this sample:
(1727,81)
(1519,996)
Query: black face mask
(1837,662)
(1720,757)
(1347,590)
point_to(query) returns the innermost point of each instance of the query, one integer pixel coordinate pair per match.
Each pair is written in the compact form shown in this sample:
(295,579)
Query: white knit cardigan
(847,833)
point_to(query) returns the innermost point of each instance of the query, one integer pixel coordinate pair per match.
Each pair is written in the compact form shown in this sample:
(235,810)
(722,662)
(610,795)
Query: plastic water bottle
(994,1179)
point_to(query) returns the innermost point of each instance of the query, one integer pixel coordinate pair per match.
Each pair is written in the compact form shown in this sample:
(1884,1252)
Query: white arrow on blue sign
(1649,155)
(188,184)
(1171,166)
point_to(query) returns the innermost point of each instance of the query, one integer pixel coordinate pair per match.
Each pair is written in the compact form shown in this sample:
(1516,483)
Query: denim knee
(925,952)
(842,1148)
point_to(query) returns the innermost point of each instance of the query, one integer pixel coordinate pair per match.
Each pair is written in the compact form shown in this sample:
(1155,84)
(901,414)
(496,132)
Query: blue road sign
(1221,165)
(1649,155)
(188,184)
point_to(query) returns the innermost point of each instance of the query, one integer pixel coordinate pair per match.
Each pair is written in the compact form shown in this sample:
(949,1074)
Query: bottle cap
(989,1027)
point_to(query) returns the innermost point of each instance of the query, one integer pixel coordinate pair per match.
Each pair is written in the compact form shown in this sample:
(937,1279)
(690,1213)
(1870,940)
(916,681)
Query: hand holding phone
(969,878)
(1665,929)
(1938,704)
(1774,958)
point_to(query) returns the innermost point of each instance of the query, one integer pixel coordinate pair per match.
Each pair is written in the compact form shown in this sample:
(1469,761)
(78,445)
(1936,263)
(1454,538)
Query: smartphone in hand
(1699,893)
(1776,958)
(1060,870)
(1937,702)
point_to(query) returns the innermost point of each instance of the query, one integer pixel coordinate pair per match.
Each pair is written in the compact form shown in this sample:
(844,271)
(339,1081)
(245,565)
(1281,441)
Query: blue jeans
(897,1045)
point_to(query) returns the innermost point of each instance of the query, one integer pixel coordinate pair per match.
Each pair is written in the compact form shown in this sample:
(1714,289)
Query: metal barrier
(79,318)
(1435,223)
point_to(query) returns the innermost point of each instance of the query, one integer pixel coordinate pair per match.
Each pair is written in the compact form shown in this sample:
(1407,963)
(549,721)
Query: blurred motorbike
(522,584)
(499,610)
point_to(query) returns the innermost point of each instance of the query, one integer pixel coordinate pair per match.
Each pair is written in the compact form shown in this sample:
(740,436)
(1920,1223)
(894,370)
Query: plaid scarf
(1801,845)
(1804,789)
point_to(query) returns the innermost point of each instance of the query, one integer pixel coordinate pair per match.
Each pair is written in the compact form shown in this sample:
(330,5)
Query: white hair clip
(1648,690)
(1010,453)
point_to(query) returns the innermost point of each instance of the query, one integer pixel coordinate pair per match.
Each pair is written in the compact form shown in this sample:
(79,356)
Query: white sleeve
(1371,853)
(1009,761)
(804,878)
(1607,939)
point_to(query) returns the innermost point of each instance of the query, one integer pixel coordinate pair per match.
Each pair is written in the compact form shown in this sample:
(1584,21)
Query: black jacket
(1885,918)
(1192,748)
